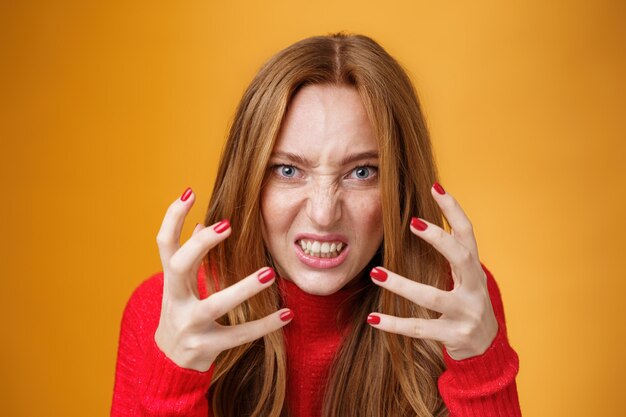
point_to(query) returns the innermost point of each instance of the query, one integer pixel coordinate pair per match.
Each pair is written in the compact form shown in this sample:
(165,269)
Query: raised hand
(188,332)
(467,324)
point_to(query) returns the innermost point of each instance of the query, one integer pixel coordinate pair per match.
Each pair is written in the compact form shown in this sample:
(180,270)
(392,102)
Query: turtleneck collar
(316,315)
(312,340)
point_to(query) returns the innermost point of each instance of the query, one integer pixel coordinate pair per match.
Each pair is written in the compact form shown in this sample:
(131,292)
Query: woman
(332,289)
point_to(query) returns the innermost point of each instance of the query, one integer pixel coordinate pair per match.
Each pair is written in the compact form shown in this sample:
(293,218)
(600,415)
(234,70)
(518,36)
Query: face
(322,217)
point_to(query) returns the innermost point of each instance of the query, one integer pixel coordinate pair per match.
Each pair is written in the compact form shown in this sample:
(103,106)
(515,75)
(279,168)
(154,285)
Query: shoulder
(143,307)
(147,292)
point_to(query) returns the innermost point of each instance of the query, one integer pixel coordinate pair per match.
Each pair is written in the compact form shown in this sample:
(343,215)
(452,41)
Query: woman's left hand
(467,325)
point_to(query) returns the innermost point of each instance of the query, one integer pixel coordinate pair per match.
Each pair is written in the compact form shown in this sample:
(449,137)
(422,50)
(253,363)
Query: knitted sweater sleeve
(484,385)
(148,383)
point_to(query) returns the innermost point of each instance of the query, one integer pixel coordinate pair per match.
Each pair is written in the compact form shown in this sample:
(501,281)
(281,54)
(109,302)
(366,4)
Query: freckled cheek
(366,213)
(279,208)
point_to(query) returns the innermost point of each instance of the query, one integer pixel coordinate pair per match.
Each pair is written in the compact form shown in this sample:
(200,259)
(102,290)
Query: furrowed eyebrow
(299,159)
(359,157)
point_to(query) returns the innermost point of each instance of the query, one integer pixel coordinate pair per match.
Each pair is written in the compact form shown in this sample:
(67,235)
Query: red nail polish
(222,226)
(372,319)
(266,275)
(286,315)
(378,275)
(418,224)
(439,188)
(186,194)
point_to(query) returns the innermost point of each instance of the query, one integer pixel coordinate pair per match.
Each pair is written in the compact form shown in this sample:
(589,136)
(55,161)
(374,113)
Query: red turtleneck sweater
(147,383)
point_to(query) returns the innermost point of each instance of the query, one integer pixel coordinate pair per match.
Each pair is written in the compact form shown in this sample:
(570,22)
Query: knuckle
(177,266)
(465,333)
(466,228)
(267,326)
(204,238)
(394,326)
(417,328)
(201,237)
(194,244)
(173,212)
(472,322)
(175,208)
(434,299)
(194,343)
(242,336)
(162,239)
(479,313)
(249,290)
(465,258)
(211,308)
(441,234)
(449,202)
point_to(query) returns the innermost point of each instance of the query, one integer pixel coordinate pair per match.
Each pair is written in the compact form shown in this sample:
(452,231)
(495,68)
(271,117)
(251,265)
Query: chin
(319,283)
(314,289)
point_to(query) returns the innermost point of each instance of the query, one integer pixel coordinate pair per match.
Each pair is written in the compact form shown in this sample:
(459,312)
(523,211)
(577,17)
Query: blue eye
(363,173)
(287,171)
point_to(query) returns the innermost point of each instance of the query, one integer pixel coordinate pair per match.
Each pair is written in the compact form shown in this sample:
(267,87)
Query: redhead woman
(333,275)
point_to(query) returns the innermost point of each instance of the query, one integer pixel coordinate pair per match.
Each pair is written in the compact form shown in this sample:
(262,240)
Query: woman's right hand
(188,333)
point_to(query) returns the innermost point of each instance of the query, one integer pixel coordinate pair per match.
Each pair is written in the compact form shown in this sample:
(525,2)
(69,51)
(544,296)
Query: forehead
(326,121)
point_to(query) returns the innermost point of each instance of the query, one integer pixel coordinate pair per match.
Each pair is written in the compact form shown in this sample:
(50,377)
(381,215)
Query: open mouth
(320,249)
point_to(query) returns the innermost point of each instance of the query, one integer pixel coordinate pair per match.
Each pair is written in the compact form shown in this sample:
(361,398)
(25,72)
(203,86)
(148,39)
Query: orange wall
(110,109)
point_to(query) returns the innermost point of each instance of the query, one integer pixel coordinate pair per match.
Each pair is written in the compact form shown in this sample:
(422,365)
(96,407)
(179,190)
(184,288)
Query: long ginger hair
(375,373)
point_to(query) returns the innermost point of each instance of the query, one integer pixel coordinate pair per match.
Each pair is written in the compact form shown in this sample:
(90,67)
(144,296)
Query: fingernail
(186,194)
(286,315)
(378,275)
(222,226)
(439,188)
(418,224)
(266,275)
(372,319)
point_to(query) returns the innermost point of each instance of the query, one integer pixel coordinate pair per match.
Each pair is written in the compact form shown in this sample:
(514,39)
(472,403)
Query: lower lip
(321,263)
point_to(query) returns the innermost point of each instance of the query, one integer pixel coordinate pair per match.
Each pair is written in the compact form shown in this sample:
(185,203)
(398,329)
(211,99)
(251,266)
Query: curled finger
(197,229)
(253,330)
(434,329)
(221,302)
(460,223)
(462,261)
(421,294)
(182,268)
(168,237)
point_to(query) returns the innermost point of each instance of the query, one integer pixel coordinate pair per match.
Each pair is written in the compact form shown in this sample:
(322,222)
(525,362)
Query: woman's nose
(324,206)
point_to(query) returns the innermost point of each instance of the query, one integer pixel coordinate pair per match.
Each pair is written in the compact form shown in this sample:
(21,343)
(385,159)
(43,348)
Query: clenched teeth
(321,249)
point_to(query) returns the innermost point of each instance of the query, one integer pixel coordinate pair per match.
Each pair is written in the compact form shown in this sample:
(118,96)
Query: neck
(317,315)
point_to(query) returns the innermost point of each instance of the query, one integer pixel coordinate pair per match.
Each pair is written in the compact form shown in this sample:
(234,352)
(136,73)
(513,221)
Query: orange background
(110,109)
